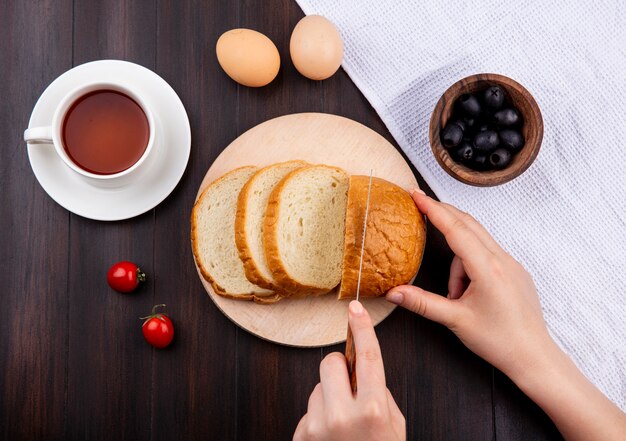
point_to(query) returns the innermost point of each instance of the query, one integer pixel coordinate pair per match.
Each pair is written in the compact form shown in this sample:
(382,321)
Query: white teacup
(53,135)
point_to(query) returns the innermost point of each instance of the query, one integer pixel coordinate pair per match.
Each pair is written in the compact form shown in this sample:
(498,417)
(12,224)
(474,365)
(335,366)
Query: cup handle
(38,135)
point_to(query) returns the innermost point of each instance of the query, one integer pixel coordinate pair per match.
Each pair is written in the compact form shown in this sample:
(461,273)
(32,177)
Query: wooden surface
(318,139)
(532,129)
(73,364)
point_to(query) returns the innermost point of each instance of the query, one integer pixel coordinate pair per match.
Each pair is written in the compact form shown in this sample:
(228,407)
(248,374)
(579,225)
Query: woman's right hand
(492,304)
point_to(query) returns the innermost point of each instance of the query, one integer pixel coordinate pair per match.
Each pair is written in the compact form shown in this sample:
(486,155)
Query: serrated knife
(350,349)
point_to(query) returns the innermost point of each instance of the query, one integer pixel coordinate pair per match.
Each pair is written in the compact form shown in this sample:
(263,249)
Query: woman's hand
(334,413)
(492,304)
(493,307)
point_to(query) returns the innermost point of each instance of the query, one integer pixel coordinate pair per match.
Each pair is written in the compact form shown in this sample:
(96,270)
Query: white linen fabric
(564,219)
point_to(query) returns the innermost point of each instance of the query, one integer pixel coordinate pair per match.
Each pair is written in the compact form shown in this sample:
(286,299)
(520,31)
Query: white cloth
(565,217)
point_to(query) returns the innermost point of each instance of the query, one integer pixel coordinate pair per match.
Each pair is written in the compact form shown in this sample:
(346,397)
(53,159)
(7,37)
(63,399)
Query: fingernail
(417,190)
(355,307)
(395,297)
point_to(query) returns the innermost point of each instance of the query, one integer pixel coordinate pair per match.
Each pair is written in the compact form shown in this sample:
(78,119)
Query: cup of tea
(104,131)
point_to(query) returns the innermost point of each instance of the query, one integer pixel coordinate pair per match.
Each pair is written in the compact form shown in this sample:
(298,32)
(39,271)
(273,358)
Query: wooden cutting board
(316,138)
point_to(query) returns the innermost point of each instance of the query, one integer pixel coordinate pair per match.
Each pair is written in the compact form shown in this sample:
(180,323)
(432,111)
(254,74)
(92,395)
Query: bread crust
(250,268)
(287,286)
(268,300)
(194,242)
(394,243)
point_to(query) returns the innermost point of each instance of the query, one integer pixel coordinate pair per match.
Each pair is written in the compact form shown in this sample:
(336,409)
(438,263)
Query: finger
(299,434)
(393,407)
(460,238)
(314,416)
(427,304)
(335,382)
(397,419)
(316,401)
(370,372)
(477,228)
(458,282)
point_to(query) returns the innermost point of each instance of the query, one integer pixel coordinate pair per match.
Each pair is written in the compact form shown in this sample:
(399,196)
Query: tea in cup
(103,131)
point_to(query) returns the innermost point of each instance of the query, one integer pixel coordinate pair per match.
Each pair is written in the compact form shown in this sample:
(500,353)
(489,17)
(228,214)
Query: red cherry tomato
(158,329)
(125,276)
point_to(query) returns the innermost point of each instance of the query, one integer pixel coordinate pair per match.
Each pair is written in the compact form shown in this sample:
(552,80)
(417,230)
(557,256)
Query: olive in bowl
(486,130)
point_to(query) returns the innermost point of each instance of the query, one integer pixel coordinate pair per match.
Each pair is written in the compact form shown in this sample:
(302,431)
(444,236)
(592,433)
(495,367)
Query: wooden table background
(73,363)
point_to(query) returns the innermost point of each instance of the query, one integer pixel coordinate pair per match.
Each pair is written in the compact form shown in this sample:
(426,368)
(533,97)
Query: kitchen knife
(350,349)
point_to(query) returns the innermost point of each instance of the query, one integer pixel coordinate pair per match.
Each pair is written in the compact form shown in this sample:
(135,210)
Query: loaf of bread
(213,237)
(394,240)
(294,229)
(304,228)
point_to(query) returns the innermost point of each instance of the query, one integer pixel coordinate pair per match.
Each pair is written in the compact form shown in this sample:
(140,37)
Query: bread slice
(394,241)
(213,236)
(304,230)
(251,206)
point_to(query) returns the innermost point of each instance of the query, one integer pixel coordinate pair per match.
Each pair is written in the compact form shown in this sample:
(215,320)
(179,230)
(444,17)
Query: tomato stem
(141,276)
(157,306)
(154,314)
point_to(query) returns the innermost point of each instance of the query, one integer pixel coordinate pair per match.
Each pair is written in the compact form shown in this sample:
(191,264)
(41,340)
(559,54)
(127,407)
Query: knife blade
(350,348)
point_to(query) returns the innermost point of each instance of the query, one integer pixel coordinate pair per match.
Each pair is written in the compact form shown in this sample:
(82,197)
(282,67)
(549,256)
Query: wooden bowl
(532,129)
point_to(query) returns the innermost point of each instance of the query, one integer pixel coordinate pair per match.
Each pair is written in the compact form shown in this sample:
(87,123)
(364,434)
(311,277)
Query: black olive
(463,153)
(480,162)
(469,105)
(494,97)
(469,122)
(486,141)
(511,139)
(500,158)
(459,123)
(507,117)
(451,135)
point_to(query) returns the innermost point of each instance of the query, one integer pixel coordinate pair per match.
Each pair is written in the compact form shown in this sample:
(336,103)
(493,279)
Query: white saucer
(173,138)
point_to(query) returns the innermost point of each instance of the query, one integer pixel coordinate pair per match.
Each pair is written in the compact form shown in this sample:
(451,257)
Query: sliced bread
(213,236)
(251,206)
(304,230)
(394,240)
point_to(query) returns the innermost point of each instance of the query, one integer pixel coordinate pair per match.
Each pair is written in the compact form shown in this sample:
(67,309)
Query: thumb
(427,304)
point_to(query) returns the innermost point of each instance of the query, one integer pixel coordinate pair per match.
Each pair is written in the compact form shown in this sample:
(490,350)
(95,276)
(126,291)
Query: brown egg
(248,57)
(316,47)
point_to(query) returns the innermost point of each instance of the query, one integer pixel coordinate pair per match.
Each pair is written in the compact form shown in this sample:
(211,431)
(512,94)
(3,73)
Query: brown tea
(105,132)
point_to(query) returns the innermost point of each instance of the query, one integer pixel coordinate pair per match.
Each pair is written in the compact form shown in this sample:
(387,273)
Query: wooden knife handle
(351,359)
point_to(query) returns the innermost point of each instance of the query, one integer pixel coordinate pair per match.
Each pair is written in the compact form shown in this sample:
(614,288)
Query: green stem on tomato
(141,276)
(154,314)
(157,306)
